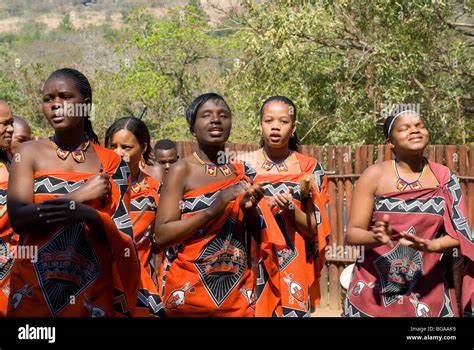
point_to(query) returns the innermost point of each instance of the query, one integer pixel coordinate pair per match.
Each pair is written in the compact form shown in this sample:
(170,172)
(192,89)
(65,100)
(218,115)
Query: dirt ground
(326,313)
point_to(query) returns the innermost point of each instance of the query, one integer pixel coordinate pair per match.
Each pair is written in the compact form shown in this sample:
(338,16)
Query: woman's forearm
(304,222)
(176,231)
(25,217)
(361,237)
(443,244)
(252,221)
(77,195)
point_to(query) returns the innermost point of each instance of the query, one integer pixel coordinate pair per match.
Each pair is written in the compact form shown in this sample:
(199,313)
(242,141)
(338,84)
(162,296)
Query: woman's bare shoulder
(180,169)
(375,172)
(33,148)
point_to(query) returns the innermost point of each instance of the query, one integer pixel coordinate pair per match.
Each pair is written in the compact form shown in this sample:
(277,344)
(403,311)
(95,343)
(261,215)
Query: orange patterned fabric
(209,272)
(79,270)
(8,248)
(143,213)
(290,287)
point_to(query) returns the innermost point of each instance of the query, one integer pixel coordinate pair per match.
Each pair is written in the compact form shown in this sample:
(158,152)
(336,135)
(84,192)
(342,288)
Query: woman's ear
(145,147)
(390,144)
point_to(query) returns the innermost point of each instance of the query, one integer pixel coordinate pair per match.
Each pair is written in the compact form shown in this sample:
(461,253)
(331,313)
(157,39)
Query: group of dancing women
(125,230)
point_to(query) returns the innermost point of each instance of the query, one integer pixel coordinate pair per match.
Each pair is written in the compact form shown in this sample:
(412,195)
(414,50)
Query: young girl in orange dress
(130,139)
(289,288)
(67,199)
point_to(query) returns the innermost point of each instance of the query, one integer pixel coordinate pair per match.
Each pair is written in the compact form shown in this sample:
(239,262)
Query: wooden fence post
(333,271)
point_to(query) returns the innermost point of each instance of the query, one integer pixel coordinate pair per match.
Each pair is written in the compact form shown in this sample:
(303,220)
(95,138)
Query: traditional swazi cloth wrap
(79,271)
(288,284)
(8,246)
(400,281)
(142,214)
(209,274)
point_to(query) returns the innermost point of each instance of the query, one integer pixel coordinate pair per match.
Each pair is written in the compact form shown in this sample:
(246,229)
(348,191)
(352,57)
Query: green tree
(167,62)
(345,62)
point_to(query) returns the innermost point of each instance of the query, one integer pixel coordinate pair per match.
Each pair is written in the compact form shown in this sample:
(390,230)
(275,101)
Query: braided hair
(294,142)
(85,89)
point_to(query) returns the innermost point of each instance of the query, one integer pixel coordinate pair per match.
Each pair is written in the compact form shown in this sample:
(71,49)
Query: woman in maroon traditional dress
(410,215)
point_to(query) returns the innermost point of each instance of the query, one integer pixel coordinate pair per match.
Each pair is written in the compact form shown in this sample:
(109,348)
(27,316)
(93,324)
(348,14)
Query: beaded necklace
(210,169)
(280,166)
(77,154)
(402,184)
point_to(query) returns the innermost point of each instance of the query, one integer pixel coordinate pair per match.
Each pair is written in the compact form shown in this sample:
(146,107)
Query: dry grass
(84,19)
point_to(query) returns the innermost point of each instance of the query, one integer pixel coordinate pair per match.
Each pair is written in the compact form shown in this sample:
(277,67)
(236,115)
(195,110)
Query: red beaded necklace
(77,154)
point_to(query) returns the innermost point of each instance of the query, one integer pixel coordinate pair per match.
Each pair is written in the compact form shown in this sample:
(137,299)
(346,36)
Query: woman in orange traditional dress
(291,288)
(129,138)
(68,201)
(207,214)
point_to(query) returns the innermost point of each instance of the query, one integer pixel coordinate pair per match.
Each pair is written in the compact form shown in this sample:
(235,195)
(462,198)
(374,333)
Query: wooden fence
(343,165)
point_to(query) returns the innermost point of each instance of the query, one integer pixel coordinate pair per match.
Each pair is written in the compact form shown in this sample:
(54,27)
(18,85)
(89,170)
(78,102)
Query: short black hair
(193,108)
(164,144)
(22,121)
(137,127)
(294,142)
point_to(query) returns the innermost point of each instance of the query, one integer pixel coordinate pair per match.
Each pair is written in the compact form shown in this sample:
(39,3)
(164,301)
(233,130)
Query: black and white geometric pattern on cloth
(120,303)
(204,201)
(351,311)
(137,204)
(3,196)
(170,254)
(222,263)
(432,205)
(6,259)
(318,173)
(272,189)
(53,185)
(399,271)
(66,266)
(195,204)
(459,221)
(289,312)
(288,253)
(121,216)
(151,301)
(249,171)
